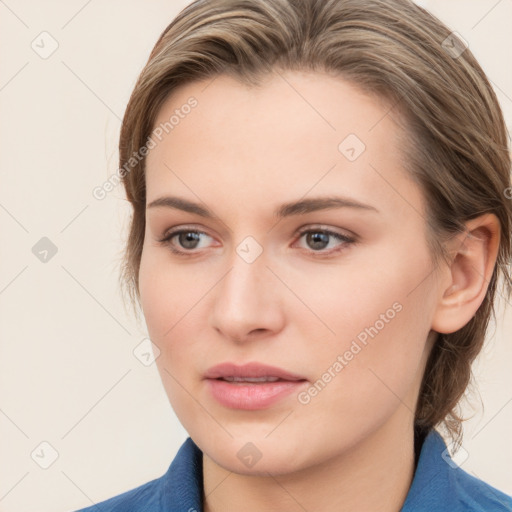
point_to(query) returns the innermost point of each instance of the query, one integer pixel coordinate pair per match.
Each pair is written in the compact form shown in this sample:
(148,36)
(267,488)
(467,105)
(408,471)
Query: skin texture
(242,152)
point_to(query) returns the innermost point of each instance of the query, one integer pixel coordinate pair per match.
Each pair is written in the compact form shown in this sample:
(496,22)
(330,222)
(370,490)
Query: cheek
(167,300)
(375,294)
(173,303)
(381,317)
(165,291)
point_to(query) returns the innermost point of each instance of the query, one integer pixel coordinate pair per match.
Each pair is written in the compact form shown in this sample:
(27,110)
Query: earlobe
(474,254)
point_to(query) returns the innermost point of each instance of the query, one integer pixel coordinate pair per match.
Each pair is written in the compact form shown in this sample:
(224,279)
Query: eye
(320,239)
(188,239)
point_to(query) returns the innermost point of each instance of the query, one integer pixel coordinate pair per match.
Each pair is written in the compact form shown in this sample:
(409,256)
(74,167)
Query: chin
(274,464)
(255,455)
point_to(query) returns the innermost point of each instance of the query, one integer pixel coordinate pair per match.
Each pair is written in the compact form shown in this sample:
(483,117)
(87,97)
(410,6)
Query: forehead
(295,133)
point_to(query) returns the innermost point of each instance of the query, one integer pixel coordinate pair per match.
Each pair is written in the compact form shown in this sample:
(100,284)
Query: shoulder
(440,484)
(178,490)
(146,497)
(478,496)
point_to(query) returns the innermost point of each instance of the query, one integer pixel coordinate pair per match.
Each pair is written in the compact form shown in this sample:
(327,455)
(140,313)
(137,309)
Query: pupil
(319,240)
(190,237)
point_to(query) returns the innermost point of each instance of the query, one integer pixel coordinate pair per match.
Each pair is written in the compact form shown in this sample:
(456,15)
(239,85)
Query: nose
(247,302)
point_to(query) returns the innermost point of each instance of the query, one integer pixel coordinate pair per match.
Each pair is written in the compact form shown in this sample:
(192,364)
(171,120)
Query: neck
(373,475)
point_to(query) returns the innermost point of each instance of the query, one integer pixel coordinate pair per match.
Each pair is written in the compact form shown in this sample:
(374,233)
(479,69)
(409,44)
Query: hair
(456,143)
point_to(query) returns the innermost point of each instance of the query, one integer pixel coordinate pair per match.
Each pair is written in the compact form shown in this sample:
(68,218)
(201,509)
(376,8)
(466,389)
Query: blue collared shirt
(438,485)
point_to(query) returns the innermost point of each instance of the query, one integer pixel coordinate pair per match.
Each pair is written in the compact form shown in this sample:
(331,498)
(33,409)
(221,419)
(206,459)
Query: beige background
(68,375)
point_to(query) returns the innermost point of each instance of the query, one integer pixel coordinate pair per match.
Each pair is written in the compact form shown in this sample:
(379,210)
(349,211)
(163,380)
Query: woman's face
(341,295)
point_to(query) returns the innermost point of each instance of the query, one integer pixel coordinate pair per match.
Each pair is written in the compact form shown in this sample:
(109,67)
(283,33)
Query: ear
(466,279)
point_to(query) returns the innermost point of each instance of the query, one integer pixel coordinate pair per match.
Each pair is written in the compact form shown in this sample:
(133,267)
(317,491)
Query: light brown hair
(456,145)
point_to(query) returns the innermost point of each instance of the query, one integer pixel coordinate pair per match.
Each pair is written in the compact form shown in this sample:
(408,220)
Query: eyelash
(347,240)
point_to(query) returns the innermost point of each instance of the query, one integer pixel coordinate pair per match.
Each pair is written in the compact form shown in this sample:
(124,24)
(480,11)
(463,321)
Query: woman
(320,223)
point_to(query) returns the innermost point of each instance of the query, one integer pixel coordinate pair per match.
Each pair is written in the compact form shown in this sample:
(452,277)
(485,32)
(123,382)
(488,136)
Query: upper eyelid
(298,231)
(345,232)
(179,229)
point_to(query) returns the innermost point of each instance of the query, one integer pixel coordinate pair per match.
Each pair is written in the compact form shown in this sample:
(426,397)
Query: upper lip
(253,369)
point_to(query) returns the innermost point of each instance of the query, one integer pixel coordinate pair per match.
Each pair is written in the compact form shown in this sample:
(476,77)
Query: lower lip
(251,396)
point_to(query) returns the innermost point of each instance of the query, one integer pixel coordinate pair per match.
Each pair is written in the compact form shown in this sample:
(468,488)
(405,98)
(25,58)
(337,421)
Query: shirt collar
(438,483)
(430,483)
(183,483)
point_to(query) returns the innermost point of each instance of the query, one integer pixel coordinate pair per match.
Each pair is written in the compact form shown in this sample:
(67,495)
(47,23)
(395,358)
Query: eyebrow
(300,207)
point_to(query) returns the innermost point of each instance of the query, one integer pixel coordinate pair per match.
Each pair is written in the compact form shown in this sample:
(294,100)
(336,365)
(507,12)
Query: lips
(251,386)
(250,372)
